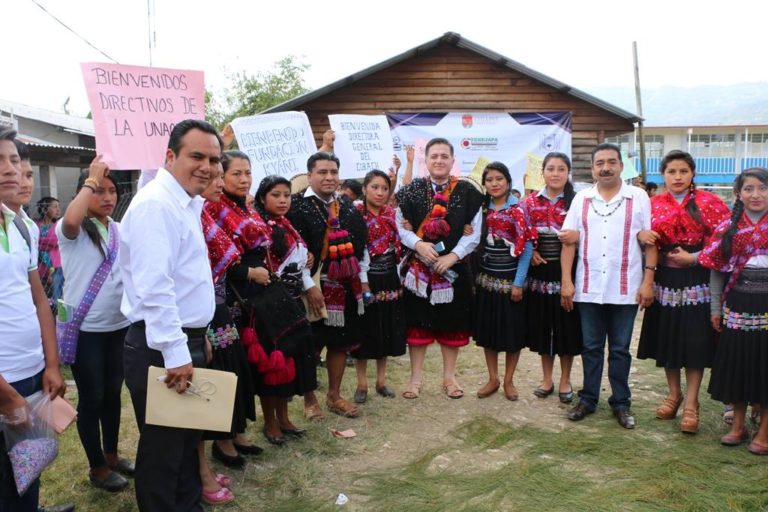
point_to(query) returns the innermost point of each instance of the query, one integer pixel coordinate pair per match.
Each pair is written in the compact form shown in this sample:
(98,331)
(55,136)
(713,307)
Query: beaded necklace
(618,205)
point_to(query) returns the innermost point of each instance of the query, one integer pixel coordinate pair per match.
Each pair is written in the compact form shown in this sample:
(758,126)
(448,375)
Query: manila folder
(210,407)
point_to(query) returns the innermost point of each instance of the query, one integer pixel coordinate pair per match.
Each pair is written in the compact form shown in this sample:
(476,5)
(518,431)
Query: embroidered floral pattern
(494,284)
(745,321)
(222,337)
(544,287)
(387,296)
(688,296)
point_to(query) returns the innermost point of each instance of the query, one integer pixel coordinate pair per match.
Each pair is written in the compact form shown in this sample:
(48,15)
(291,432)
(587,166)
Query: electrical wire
(73,31)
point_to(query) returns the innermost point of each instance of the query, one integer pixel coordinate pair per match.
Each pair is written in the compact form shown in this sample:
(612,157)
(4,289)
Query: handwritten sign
(363,143)
(534,178)
(277,143)
(135,108)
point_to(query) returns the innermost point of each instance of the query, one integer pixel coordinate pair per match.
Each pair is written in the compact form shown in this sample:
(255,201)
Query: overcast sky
(585,43)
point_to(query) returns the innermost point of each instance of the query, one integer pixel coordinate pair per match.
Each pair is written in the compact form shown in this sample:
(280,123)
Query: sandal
(689,424)
(219,497)
(453,390)
(511,393)
(736,439)
(314,413)
(342,408)
(223,480)
(489,389)
(668,408)
(412,390)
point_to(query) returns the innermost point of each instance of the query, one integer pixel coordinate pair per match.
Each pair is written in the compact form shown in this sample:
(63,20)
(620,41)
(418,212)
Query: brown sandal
(314,413)
(412,390)
(342,408)
(689,423)
(668,408)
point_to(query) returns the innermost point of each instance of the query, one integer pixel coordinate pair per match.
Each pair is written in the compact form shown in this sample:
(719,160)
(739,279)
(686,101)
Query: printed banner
(362,143)
(277,143)
(515,139)
(135,108)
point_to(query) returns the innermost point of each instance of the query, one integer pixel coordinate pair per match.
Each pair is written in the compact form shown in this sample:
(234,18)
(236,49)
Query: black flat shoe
(113,482)
(277,441)
(566,397)
(235,462)
(544,393)
(248,449)
(294,432)
(125,467)
(361,395)
(385,392)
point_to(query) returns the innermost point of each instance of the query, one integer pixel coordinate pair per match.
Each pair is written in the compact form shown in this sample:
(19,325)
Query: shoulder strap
(99,277)
(24,230)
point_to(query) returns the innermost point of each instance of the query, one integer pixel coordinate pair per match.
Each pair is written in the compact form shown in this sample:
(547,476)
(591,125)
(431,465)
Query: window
(755,144)
(712,145)
(622,141)
(654,146)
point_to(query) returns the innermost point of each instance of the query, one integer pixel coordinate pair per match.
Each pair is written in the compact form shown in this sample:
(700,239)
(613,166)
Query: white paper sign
(277,143)
(362,143)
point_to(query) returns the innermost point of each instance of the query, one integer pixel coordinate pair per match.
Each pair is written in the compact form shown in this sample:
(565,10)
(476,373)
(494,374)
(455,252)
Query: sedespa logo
(466,120)
(466,143)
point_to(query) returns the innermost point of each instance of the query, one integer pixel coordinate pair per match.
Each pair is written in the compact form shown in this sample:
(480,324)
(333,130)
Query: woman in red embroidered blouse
(385,327)
(738,254)
(676,330)
(556,332)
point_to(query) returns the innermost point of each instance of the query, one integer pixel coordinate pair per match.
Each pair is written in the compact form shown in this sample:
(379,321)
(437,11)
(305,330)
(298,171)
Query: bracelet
(90,187)
(650,268)
(93,182)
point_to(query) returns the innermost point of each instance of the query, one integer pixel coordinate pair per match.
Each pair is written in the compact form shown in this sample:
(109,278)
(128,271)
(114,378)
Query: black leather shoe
(277,441)
(248,449)
(624,417)
(113,482)
(294,432)
(361,396)
(236,462)
(66,507)
(579,412)
(125,467)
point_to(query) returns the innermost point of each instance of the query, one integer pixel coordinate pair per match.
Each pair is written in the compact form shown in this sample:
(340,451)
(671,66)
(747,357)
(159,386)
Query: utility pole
(639,112)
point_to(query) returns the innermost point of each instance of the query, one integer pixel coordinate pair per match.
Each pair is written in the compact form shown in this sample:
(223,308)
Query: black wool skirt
(739,369)
(551,330)
(677,331)
(384,326)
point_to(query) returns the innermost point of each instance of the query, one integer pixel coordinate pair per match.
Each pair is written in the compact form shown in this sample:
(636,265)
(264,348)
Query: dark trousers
(167,469)
(98,372)
(10,501)
(614,321)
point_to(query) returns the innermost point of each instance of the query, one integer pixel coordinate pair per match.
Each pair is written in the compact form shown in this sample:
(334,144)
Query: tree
(251,94)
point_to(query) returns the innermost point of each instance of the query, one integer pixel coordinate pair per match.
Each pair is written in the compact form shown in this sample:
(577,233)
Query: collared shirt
(164,265)
(466,244)
(306,278)
(610,259)
(80,259)
(21,347)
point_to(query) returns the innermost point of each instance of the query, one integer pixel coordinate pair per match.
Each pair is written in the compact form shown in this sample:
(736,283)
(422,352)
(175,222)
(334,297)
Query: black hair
(43,204)
(692,208)
(8,133)
(604,146)
(23,150)
(87,225)
(279,245)
(761,174)
(228,156)
(512,191)
(321,155)
(651,186)
(438,140)
(568,192)
(354,186)
(181,129)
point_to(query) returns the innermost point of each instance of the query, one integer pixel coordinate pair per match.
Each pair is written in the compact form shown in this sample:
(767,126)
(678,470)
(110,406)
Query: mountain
(705,105)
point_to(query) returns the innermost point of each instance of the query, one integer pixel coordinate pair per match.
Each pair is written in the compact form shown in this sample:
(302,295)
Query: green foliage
(250,94)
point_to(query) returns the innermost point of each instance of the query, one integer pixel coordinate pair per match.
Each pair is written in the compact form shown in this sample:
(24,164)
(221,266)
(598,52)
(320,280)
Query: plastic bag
(32,444)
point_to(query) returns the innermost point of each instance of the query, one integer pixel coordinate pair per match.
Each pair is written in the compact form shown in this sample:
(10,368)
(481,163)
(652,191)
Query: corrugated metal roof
(74,124)
(455,39)
(36,142)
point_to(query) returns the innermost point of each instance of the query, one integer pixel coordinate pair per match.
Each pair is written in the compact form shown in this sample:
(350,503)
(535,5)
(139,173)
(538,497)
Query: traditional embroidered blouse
(675,225)
(544,215)
(382,231)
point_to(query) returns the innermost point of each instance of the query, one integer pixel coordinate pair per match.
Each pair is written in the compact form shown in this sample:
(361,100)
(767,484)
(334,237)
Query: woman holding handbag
(88,242)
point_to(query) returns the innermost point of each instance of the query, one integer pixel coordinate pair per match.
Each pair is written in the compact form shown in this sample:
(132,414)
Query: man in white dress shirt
(168,297)
(611,278)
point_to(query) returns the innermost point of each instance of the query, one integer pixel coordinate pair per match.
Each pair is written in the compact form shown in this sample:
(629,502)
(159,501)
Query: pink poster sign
(135,108)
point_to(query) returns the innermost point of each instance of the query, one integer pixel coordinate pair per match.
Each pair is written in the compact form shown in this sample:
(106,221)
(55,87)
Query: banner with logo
(519,140)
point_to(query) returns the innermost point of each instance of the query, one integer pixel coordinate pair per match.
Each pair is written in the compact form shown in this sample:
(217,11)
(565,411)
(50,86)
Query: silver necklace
(592,205)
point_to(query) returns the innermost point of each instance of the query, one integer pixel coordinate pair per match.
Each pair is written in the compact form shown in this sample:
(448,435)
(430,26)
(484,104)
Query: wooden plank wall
(450,79)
